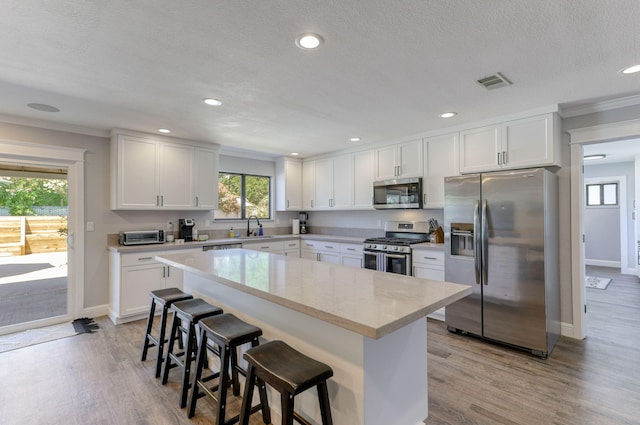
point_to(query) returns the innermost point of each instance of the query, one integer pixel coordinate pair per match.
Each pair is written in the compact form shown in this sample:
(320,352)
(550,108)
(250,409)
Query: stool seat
(289,372)
(227,329)
(186,314)
(163,298)
(288,369)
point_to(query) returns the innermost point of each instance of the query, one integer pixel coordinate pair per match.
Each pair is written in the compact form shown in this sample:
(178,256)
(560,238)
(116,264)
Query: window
(602,194)
(243,195)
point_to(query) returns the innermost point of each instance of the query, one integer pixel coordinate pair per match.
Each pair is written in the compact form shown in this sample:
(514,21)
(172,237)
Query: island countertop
(370,303)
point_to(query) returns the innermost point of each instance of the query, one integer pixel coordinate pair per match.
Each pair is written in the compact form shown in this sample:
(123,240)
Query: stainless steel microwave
(141,237)
(398,193)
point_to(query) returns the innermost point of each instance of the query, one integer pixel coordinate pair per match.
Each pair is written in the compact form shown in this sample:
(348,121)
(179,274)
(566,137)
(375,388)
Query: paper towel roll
(295,226)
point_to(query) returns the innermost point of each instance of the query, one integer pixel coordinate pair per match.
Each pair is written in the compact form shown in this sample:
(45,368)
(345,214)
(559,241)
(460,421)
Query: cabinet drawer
(264,246)
(351,249)
(321,246)
(142,258)
(425,256)
(288,245)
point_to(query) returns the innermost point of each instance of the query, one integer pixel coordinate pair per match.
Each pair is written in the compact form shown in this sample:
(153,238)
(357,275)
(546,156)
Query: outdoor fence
(22,235)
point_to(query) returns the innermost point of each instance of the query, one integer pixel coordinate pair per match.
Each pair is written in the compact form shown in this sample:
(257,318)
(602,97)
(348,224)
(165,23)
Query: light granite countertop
(367,302)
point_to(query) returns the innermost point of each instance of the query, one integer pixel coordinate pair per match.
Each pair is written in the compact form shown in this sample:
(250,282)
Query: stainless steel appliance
(392,253)
(397,193)
(185,229)
(501,237)
(303,222)
(141,237)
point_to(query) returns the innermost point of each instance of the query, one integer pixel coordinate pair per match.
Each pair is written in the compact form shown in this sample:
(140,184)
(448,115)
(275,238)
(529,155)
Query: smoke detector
(494,81)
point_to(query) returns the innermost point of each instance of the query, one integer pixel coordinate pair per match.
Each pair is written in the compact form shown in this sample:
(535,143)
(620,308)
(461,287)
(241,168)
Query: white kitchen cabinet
(206,178)
(401,160)
(527,142)
(148,173)
(428,263)
(308,185)
(292,248)
(288,184)
(363,177)
(289,248)
(440,160)
(132,277)
(351,255)
(333,183)
(328,252)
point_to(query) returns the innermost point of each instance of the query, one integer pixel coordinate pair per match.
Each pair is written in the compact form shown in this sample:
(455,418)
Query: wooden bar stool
(228,333)
(290,373)
(164,298)
(186,314)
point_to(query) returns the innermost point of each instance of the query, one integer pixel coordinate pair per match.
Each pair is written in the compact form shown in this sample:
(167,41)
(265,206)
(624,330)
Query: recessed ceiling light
(309,41)
(354,139)
(630,70)
(295,153)
(448,114)
(597,156)
(42,107)
(213,102)
(164,130)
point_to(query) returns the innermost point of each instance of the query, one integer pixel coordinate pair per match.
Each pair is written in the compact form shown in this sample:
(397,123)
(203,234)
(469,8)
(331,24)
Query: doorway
(33,247)
(31,156)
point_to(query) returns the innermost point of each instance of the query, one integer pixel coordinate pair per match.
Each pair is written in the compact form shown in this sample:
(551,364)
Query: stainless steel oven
(392,253)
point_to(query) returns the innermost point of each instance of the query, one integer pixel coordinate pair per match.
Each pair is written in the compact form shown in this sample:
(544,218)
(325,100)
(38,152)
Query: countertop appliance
(501,238)
(185,229)
(141,237)
(392,253)
(303,222)
(398,193)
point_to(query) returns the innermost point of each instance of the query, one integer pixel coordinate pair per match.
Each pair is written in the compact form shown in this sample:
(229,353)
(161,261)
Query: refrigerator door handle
(485,243)
(476,233)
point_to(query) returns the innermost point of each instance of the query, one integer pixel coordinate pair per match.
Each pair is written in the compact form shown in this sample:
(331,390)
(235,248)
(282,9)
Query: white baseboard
(602,263)
(96,311)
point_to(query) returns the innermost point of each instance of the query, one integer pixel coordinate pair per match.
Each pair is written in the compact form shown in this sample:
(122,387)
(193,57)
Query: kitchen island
(370,327)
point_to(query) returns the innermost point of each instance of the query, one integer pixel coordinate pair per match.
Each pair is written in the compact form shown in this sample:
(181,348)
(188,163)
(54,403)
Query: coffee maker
(303,222)
(185,229)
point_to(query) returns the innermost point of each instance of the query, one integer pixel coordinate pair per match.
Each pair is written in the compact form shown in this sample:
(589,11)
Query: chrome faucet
(249,221)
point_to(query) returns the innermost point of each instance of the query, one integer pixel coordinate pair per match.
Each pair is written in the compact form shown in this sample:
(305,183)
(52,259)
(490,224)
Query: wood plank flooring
(99,379)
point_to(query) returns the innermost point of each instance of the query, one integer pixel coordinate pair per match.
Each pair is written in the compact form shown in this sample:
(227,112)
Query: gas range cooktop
(399,235)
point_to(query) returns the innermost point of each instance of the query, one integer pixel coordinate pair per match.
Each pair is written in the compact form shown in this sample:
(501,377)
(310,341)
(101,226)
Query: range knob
(383,247)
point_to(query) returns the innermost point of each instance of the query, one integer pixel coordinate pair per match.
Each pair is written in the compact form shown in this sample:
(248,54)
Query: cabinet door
(529,142)
(351,261)
(309,254)
(176,176)
(308,185)
(428,272)
(479,149)
(330,257)
(137,173)
(385,163)
(342,182)
(174,278)
(206,178)
(410,159)
(324,184)
(288,185)
(137,282)
(440,161)
(363,180)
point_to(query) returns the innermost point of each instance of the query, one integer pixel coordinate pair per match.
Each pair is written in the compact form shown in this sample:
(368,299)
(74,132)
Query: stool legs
(325,408)
(147,343)
(151,341)
(188,357)
(249,385)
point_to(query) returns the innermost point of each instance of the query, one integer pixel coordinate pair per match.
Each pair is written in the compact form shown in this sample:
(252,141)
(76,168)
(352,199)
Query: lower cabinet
(288,248)
(428,263)
(132,277)
(351,255)
(332,252)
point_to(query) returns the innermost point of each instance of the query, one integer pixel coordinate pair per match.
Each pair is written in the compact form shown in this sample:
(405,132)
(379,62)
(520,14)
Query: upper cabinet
(308,185)
(440,161)
(401,160)
(528,142)
(149,173)
(363,177)
(333,183)
(288,184)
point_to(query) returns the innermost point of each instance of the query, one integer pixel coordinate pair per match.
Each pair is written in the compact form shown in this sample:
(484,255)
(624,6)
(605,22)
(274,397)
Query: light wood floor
(99,379)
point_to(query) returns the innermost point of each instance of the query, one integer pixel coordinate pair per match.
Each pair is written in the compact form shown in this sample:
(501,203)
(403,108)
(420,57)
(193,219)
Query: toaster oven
(141,237)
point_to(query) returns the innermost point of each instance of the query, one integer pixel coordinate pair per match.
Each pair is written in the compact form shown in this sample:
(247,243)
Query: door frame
(72,159)
(579,137)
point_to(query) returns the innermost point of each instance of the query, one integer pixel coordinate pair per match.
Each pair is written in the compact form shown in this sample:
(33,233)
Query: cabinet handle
(287,204)
(292,244)
(430,258)
(351,249)
(162,200)
(424,198)
(312,203)
(157,200)
(329,247)
(164,272)
(168,271)
(499,159)
(318,257)
(504,158)
(145,258)
(197,202)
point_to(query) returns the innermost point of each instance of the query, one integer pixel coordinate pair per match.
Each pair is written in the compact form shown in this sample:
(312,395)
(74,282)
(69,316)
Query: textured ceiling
(386,69)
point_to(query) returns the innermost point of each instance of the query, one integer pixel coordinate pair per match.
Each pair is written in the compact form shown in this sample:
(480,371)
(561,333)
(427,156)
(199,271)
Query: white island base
(376,381)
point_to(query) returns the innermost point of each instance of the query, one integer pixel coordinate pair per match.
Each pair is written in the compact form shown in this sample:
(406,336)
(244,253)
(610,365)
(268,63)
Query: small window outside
(243,195)
(602,194)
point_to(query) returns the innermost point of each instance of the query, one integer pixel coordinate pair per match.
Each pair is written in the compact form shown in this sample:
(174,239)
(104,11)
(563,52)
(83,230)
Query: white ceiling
(385,71)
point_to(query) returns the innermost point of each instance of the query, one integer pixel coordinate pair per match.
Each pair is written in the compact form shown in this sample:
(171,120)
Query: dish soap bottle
(260,231)
(231,233)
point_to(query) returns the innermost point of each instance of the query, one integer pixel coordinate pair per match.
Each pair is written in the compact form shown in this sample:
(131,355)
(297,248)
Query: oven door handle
(400,256)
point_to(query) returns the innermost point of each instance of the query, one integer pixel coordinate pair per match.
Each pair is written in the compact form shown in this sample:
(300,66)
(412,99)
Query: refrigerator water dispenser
(462,239)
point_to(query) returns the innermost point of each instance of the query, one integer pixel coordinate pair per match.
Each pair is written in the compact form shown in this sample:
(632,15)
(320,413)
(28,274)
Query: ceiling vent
(494,81)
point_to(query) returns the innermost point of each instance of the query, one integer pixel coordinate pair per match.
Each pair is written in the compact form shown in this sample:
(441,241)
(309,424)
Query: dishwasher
(221,246)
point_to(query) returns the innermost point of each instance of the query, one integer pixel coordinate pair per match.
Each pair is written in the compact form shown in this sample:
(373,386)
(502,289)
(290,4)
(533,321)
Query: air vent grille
(494,81)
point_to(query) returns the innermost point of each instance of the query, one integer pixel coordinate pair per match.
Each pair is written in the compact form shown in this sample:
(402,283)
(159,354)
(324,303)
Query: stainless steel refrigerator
(501,237)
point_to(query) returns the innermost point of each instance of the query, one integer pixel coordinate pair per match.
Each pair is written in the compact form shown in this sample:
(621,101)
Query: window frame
(243,193)
(601,201)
